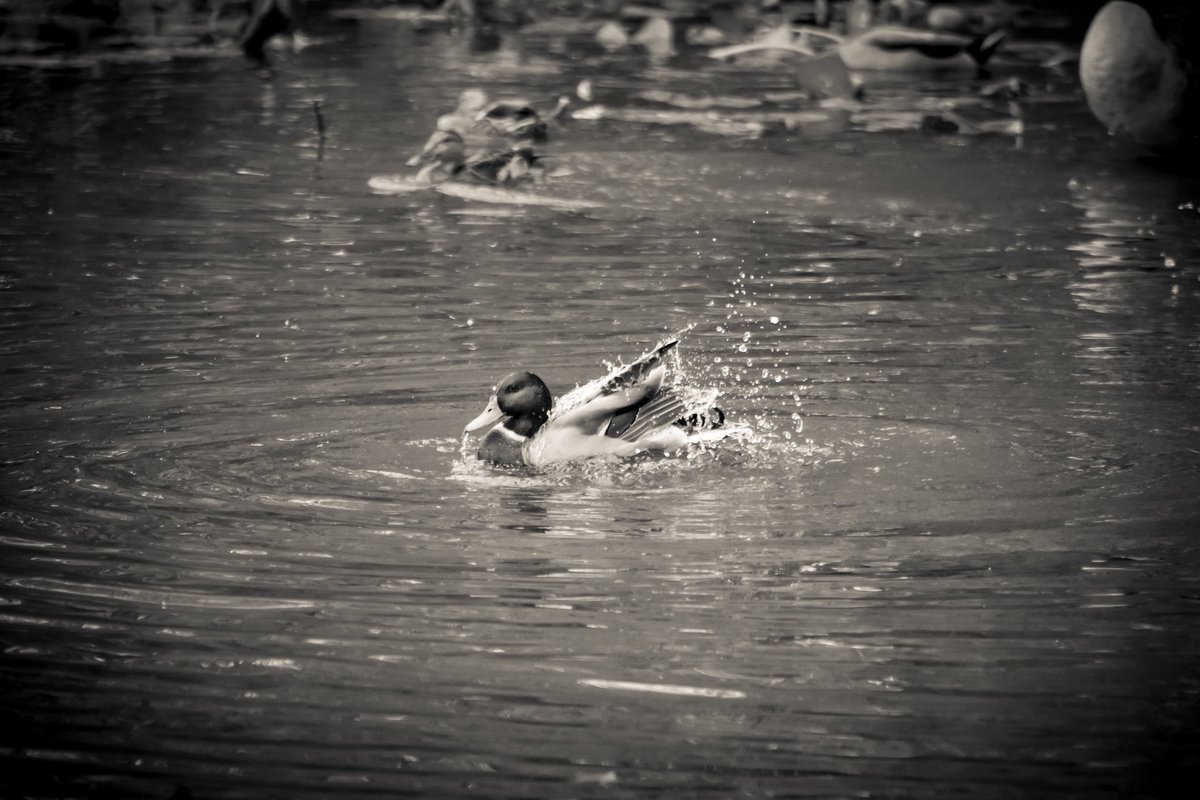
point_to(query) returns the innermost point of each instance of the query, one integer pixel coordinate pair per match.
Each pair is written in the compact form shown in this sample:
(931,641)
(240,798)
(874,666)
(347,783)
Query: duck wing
(621,378)
(594,416)
(657,411)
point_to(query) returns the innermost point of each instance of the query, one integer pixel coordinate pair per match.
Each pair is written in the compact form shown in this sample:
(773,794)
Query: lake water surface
(242,554)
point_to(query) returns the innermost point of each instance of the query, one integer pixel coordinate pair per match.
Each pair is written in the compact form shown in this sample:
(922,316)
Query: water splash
(763,432)
(757,375)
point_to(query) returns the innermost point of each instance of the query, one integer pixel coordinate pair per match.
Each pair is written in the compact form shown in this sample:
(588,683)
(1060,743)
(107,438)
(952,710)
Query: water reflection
(1125,240)
(1130,275)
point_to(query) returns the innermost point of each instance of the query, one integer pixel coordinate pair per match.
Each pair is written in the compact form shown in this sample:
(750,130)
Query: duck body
(1137,71)
(629,411)
(445,156)
(895,48)
(477,118)
(506,168)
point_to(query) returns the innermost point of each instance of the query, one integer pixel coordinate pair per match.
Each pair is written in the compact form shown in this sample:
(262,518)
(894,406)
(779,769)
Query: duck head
(522,400)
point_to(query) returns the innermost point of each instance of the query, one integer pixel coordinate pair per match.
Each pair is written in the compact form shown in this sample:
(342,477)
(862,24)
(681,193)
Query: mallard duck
(1138,71)
(901,49)
(629,411)
(445,156)
(485,129)
(884,48)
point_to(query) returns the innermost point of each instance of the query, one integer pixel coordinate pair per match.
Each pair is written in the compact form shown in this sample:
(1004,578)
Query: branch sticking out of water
(316,104)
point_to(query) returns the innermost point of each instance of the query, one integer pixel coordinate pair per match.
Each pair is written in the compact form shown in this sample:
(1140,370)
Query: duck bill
(491,415)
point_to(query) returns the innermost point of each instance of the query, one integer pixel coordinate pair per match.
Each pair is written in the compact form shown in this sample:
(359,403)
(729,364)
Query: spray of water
(755,378)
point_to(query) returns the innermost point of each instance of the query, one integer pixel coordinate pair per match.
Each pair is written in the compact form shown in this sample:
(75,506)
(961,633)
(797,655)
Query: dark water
(242,555)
